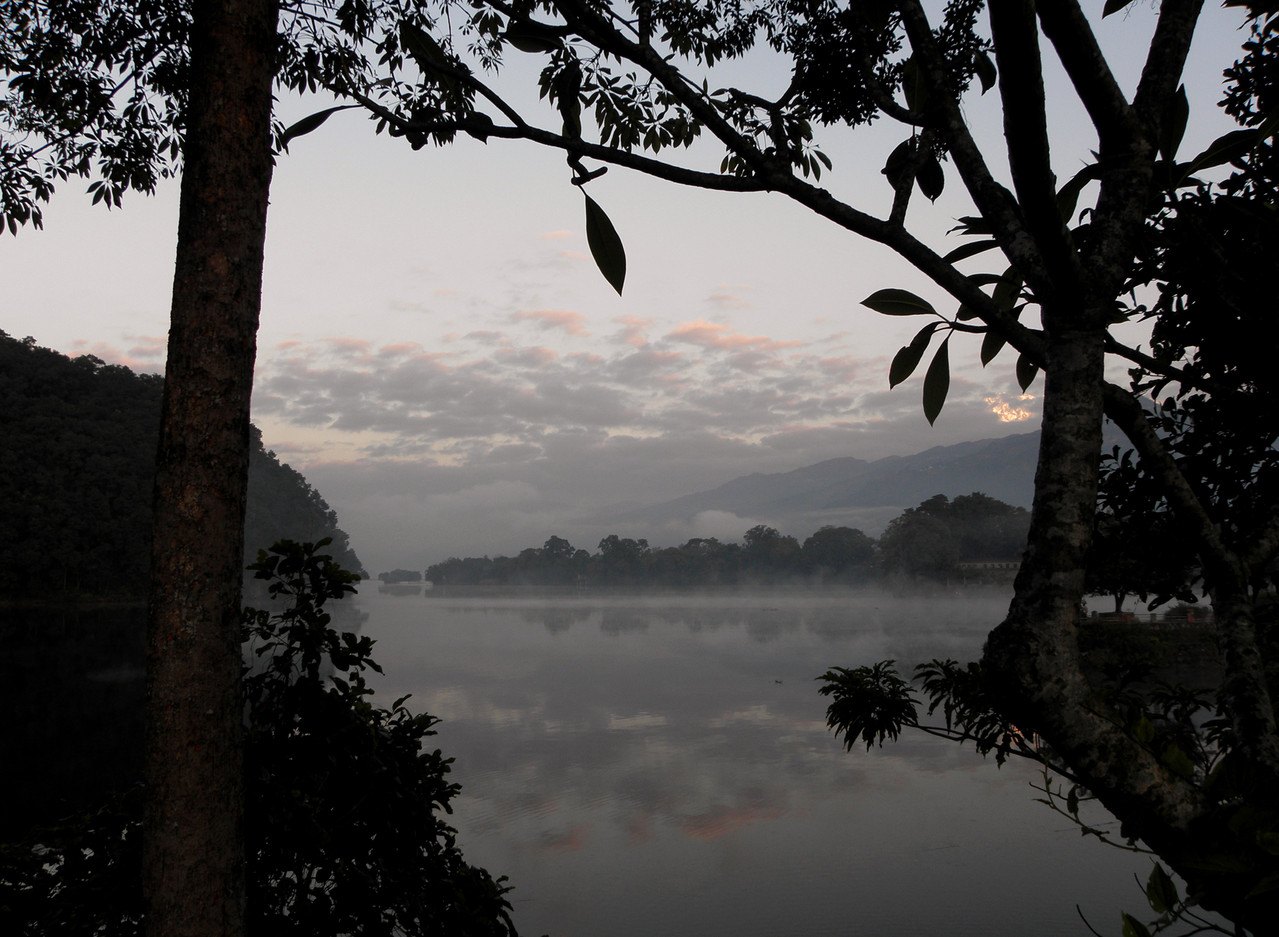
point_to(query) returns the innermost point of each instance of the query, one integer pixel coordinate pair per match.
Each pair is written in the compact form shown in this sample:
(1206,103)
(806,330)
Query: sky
(440,357)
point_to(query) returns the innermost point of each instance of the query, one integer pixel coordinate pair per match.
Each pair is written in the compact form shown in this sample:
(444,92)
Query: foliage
(869,704)
(77,470)
(344,801)
(932,539)
(1136,549)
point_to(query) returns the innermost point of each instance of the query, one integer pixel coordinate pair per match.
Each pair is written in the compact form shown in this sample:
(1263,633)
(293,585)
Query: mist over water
(645,765)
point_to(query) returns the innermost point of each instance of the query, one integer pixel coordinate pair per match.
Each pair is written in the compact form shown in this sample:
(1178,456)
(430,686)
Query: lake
(661,765)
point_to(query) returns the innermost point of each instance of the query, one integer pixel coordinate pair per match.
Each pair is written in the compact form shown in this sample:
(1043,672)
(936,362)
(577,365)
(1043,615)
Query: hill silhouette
(76,469)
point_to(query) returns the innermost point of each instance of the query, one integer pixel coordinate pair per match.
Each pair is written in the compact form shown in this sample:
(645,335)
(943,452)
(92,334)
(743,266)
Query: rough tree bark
(193,875)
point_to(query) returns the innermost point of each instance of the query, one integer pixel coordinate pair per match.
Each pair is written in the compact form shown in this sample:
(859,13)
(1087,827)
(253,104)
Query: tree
(122,89)
(918,544)
(1072,265)
(837,552)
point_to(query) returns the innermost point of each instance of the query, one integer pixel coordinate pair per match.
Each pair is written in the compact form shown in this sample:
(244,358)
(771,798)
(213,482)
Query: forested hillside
(77,443)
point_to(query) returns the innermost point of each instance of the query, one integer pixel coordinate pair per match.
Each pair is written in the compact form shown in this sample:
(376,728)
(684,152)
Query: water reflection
(640,767)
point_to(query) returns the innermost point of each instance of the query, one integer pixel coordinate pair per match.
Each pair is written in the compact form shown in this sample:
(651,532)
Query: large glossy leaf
(908,356)
(1068,194)
(971,249)
(898,162)
(937,382)
(1161,890)
(991,345)
(1026,371)
(1222,150)
(895,302)
(1007,289)
(985,69)
(930,178)
(309,123)
(1132,926)
(606,247)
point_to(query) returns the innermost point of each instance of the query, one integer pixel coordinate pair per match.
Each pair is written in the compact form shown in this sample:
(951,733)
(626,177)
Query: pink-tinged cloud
(726,300)
(714,335)
(844,368)
(399,349)
(556,235)
(528,357)
(488,337)
(343,343)
(634,330)
(575,255)
(568,320)
(136,359)
(287,344)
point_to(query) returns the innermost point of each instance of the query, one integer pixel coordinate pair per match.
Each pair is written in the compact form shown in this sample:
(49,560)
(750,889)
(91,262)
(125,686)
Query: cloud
(146,353)
(717,336)
(634,330)
(566,320)
(556,235)
(726,297)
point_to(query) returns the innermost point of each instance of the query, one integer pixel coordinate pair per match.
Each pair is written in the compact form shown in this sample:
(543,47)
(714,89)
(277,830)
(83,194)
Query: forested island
(76,473)
(973,536)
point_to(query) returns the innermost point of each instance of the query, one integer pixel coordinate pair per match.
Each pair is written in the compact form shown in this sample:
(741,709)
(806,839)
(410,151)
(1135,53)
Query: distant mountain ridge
(857,492)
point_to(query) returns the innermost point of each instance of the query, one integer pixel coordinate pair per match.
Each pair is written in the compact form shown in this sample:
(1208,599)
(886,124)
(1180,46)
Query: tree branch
(1021,89)
(1165,61)
(995,203)
(1067,28)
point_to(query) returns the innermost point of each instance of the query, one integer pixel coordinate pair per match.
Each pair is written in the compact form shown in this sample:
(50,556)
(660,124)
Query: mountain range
(856,492)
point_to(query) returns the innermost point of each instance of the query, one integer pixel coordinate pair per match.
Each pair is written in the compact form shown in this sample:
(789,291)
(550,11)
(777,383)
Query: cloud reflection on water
(642,766)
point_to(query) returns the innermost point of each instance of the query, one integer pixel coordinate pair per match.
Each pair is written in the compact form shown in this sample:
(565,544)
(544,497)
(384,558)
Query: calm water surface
(662,767)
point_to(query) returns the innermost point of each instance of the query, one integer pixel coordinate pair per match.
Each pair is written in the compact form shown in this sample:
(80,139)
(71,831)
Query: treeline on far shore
(973,537)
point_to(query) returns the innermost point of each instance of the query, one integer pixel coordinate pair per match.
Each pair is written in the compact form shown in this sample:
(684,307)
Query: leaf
(1161,890)
(1225,148)
(908,356)
(930,178)
(606,246)
(1174,126)
(309,123)
(1068,194)
(1026,371)
(971,249)
(898,161)
(895,302)
(985,70)
(1008,289)
(1132,926)
(991,345)
(973,224)
(937,383)
(1113,6)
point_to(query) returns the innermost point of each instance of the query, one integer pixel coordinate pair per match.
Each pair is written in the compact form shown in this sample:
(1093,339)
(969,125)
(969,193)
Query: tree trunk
(1033,658)
(193,865)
